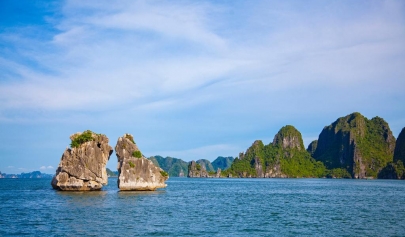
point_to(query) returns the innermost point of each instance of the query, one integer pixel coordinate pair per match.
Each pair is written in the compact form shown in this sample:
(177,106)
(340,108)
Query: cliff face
(82,167)
(312,147)
(135,172)
(361,146)
(399,152)
(285,157)
(396,169)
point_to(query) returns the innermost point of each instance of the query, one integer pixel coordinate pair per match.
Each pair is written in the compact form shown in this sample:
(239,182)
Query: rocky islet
(135,172)
(83,165)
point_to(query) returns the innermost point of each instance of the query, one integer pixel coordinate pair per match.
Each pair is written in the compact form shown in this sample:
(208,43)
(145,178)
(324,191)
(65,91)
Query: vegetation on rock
(222,163)
(130,137)
(399,152)
(361,146)
(86,136)
(339,173)
(312,147)
(137,154)
(173,166)
(164,173)
(394,170)
(285,157)
(289,137)
(206,164)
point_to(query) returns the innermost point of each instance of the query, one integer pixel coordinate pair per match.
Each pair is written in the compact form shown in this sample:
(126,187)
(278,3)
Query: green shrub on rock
(164,174)
(137,154)
(130,137)
(86,136)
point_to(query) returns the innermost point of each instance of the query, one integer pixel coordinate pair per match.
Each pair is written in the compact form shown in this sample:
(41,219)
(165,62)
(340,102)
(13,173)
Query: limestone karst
(284,157)
(198,170)
(356,144)
(135,172)
(83,165)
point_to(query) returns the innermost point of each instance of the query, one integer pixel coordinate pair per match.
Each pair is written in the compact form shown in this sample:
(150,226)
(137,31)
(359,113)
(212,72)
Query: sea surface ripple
(207,207)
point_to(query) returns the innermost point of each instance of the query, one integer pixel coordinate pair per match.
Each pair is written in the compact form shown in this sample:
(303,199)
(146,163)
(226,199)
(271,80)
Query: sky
(191,79)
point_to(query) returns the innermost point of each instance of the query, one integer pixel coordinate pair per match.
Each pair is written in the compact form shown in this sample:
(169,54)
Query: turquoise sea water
(207,207)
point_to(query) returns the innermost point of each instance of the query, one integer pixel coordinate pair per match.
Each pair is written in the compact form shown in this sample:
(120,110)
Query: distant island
(351,147)
(30,175)
(111,173)
(179,168)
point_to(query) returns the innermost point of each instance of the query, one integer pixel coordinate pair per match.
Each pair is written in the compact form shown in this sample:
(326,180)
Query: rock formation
(396,169)
(135,172)
(288,137)
(361,146)
(83,166)
(312,147)
(285,157)
(198,170)
(399,152)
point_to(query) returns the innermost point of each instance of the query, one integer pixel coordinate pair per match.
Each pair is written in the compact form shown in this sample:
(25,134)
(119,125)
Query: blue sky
(191,79)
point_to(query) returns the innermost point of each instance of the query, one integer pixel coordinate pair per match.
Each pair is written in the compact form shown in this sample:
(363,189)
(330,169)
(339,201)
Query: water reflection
(141,193)
(81,193)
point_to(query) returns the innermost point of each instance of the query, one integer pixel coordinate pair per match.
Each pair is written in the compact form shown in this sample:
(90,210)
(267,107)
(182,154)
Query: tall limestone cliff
(83,166)
(135,172)
(399,152)
(312,147)
(396,169)
(285,157)
(354,143)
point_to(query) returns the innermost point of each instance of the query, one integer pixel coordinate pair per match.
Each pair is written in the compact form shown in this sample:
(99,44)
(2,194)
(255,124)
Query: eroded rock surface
(135,172)
(83,167)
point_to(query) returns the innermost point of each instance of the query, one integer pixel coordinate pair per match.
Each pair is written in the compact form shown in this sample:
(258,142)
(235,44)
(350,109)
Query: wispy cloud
(97,66)
(214,71)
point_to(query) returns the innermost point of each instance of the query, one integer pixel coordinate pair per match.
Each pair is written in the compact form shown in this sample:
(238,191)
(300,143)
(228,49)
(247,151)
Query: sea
(207,207)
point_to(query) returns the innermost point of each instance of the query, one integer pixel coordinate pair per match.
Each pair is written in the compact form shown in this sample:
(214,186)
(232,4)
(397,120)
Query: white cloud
(96,67)
(175,68)
(46,167)
(183,21)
